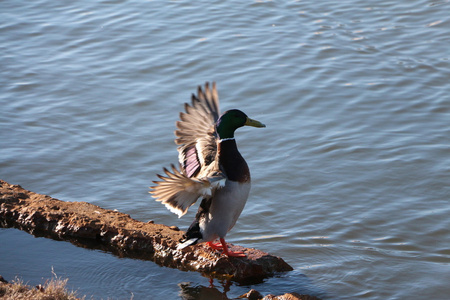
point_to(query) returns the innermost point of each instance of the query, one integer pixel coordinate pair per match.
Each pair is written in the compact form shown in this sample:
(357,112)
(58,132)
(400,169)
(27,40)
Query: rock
(252,295)
(290,296)
(255,295)
(174,228)
(91,226)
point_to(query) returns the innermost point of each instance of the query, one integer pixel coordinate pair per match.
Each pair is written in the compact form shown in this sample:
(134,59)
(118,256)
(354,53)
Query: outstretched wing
(178,192)
(195,132)
(197,149)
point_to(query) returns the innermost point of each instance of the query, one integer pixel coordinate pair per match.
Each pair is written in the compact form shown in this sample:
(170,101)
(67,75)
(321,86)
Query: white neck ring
(226,139)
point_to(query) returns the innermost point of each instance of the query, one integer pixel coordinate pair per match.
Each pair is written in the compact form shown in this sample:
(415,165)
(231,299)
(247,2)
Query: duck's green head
(232,120)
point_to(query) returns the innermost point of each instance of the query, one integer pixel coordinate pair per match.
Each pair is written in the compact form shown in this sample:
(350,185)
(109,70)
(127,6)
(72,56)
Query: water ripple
(350,177)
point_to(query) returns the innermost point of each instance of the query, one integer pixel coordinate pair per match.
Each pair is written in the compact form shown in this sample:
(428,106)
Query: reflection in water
(199,292)
(292,282)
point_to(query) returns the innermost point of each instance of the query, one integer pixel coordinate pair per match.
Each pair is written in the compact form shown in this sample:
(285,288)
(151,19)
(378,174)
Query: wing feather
(179,192)
(196,131)
(199,173)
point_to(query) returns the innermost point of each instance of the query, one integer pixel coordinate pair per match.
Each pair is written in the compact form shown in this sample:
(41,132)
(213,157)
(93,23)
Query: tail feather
(187,243)
(191,237)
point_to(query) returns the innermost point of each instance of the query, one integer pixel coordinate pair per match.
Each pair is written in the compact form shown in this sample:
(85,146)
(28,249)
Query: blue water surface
(350,177)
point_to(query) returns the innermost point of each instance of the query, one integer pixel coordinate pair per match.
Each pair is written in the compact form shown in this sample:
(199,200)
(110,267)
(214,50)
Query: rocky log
(91,226)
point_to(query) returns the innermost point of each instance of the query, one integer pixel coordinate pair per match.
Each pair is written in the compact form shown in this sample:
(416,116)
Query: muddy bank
(91,226)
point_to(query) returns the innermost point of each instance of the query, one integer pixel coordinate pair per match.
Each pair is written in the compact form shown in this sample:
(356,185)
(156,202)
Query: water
(350,177)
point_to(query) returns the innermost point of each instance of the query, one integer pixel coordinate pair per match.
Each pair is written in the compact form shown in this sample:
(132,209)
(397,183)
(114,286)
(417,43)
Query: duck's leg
(231,253)
(215,246)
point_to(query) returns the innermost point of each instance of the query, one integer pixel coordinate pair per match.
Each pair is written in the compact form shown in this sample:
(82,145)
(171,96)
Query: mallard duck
(211,168)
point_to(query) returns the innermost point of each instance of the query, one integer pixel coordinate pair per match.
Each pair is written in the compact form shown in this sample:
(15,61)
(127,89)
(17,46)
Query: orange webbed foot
(229,252)
(215,246)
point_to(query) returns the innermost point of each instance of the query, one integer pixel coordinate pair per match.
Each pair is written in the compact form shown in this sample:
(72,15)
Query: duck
(210,168)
